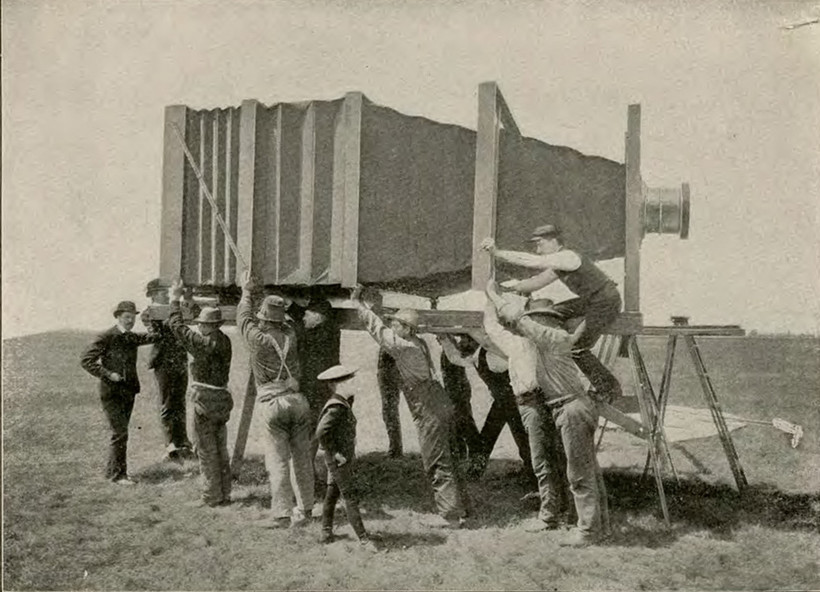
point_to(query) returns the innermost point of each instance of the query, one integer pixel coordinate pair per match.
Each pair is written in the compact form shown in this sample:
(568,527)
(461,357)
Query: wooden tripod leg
(646,402)
(717,414)
(244,426)
(663,399)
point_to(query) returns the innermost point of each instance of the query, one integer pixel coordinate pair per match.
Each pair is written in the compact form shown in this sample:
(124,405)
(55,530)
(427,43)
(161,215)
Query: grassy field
(65,527)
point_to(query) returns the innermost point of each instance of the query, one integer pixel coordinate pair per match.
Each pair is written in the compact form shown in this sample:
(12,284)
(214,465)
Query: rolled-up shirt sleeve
(555,340)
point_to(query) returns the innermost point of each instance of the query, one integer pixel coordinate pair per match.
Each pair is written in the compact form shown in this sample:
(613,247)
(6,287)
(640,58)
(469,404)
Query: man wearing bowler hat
(112,358)
(598,301)
(211,352)
(169,361)
(275,365)
(429,405)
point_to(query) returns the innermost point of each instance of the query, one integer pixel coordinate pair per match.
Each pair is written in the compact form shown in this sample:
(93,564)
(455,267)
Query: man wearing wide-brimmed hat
(210,398)
(576,415)
(273,347)
(112,357)
(169,361)
(429,405)
(598,301)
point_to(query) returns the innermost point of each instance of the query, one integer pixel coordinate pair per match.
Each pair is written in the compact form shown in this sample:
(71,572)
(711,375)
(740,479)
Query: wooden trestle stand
(653,404)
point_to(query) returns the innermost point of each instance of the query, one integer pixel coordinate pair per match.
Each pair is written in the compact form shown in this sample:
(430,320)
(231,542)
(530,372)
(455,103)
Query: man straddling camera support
(212,403)
(575,414)
(429,405)
(112,358)
(285,411)
(598,300)
(336,433)
(169,361)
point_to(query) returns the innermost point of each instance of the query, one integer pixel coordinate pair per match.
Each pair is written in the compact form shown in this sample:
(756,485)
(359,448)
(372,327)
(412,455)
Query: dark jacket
(114,351)
(167,354)
(318,350)
(336,431)
(211,363)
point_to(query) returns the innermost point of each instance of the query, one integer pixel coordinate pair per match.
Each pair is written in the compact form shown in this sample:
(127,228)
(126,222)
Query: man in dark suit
(169,360)
(112,358)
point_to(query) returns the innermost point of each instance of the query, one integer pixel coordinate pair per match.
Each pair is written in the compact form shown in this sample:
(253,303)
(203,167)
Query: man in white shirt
(545,449)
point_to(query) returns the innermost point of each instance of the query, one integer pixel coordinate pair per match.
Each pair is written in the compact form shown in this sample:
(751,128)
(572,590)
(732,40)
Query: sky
(730,103)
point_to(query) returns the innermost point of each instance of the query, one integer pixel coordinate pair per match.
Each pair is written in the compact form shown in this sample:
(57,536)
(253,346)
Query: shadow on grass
(401,483)
(406,540)
(718,508)
(166,470)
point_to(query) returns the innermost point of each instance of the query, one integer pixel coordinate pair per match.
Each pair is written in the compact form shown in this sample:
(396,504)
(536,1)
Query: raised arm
(552,338)
(384,335)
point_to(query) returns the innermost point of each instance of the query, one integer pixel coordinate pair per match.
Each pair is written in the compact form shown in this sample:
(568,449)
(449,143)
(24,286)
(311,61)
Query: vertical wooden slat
(486,181)
(173,194)
(275,195)
(337,216)
(633,203)
(290,180)
(190,233)
(217,235)
(231,179)
(205,215)
(352,173)
(249,210)
(307,192)
(324,172)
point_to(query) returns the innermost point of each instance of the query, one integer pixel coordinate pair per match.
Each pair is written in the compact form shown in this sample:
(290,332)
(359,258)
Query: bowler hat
(337,373)
(209,314)
(545,231)
(272,309)
(406,316)
(156,285)
(125,306)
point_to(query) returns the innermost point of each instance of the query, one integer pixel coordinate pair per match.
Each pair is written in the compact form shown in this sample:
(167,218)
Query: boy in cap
(112,358)
(336,433)
(211,353)
(169,361)
(273,347)
(598,301)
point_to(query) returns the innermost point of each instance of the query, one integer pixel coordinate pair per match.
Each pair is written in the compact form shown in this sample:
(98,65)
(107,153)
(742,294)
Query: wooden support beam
(486,181)
(173,194)
(190,215)
(218,245)
(232,124)
(205,215)
(634,205)
(291,119)
(353,104)
(307,194)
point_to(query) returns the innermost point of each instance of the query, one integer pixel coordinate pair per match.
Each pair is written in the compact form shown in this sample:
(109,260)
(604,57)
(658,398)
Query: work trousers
(214,462)
(503,411)
(467,442)
(117,405)
(432,416)
(287,453)
(576,422)
(390,386)
(342,482)
(172,385)
(546,454)
(599,311)
(211,408)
